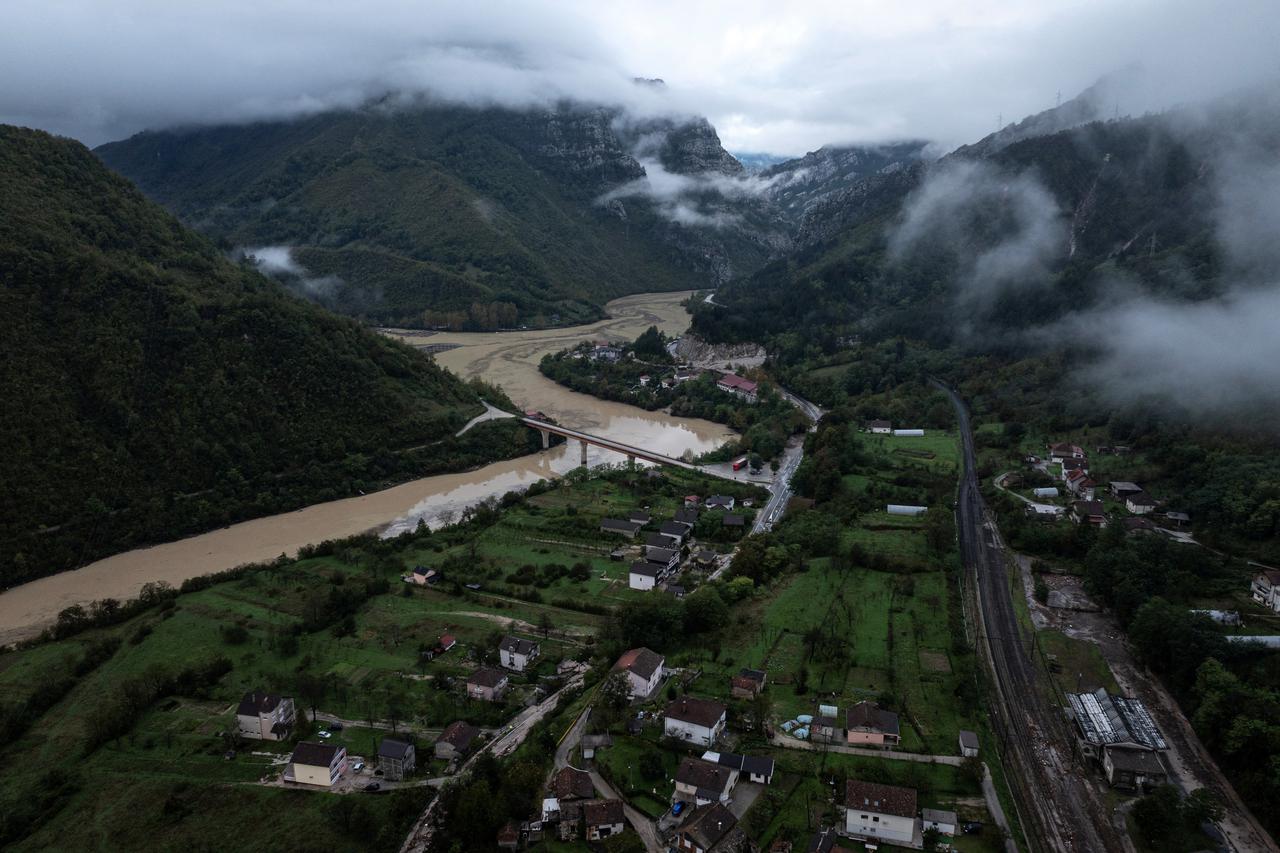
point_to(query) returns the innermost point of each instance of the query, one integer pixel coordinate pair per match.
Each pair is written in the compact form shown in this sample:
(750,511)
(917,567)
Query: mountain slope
(153,388)
(412,214)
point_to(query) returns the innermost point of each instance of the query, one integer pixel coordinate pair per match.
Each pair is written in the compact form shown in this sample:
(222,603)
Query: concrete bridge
(632,453)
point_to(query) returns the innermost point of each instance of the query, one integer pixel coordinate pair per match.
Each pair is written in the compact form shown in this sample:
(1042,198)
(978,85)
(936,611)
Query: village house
(733,520)
(687,516)
(1089,512)
(691,502)
(879,427)
(703,782)
(1079,484)
(628,529)
(265,716)
(657,540)
(1140,503)
(1121,489)
(704,558)
(644,576)
(1133,769)
(643,669)
(944,822)
(707,829)
(603,819)
(1178,519)
(422,576)
(320,764)
(509,836)
(756,768)
(666,558)
(487,684)
(747,684)
(968,744)
(674,531)
(566,815)
(639,516)
(1070,465)
(744,389)
(698,721)
(593,743)
(570,783)
(1265,589)
(447,641)
(516,654)
(455,740)
(880,813)
(867,724)
(396,758)
(1061,451)
(720,502)
(1138,524)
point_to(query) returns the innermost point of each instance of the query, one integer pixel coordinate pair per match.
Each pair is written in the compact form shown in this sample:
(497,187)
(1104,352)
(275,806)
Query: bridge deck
(609,444)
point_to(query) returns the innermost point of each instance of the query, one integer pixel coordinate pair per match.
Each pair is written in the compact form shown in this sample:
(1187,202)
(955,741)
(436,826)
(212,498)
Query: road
(419,838)
(791,458)
(1060,809)
(644,827)
(490,413)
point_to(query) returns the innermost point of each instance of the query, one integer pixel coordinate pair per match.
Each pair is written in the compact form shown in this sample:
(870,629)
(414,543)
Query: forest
(156,389)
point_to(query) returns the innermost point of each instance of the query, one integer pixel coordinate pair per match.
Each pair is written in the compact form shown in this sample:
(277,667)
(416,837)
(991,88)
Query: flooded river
(506,358)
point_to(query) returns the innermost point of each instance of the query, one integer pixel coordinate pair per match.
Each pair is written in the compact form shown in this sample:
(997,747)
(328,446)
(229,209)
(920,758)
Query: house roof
(705,556)
(719,500)
(659,555)
(1107,719)
(731,380)
(391,748)
(639,516)
(741,682)
(1141,499)
(1272,576)
(597,741)
(938,816)
(649,570)
(869,715)
(709,826)
(641,662)
(601,812)
(673,528)
(1177,516)
(1125,486)
(447,640)
(754,674)
(732,520)
(571,783)
(258,702)
(1089,508)
(657,540)
(881,799)
(878,424)
(752,764)
(617,525)
(1135,760)
(1138,523)
(688,515)
(458,735)
(968,739)
(700,712)
(518,646)
(487,677)
(314,754)
(704,776)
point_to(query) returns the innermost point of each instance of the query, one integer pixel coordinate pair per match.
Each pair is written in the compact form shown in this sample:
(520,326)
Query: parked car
(324,733)
(372,786)
(358,766)
(972,827)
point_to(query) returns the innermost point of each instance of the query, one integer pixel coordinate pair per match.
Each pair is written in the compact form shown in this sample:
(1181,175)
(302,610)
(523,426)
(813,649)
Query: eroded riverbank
(507,358)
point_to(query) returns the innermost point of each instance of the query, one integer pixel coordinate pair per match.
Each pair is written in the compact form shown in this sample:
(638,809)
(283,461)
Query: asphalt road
(1059,807)
(791,458)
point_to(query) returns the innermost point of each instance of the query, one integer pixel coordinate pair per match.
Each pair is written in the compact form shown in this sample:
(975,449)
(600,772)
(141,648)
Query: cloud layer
(779,78)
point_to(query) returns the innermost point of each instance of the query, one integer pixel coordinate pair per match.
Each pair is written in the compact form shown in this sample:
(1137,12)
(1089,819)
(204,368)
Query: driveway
(744,796)
(643,826)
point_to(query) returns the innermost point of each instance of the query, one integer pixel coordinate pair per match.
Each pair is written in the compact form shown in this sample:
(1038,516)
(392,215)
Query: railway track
(1059,808)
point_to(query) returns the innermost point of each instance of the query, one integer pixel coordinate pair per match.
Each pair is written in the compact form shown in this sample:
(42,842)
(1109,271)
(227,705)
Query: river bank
(506,358)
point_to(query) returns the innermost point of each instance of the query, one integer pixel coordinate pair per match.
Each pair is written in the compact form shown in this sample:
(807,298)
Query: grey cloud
(278,262)
(963,204)
(782,79)
(686,199)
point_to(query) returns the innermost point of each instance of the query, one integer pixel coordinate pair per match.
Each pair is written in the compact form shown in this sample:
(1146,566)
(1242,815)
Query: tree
(931,838)
(705,611)
(1158,815)
(626,842)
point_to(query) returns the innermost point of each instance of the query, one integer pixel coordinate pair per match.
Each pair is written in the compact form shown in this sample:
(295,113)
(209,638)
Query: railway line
(1060,808)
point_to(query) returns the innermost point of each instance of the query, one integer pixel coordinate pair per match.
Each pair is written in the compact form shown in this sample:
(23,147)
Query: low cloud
(278,262)
(998,231)
(686,199)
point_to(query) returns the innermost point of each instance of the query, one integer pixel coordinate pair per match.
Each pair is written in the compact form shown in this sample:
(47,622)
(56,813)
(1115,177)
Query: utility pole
(999,121)
(1059,101)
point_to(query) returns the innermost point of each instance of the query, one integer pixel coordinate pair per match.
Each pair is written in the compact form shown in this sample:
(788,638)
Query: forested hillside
(415,214)
(155,389)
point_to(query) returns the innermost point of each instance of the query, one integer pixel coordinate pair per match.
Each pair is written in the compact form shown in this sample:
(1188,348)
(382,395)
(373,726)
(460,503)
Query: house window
(875,820)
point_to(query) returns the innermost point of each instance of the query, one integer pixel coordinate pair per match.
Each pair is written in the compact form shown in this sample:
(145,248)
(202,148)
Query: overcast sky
(777,77)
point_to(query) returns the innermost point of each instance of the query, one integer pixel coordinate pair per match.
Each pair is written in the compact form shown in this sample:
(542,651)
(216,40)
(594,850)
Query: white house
(908,432)
(644,575)
(1140,503)
(968,744)
(880,812)
(666,559)
(1266,589)
(739,387)
(697,721)
(1059,452)
(879,427)
(644,671)
(265,716)
(516,654)
(316,764)
(704,782)
(724,502)
(756,768)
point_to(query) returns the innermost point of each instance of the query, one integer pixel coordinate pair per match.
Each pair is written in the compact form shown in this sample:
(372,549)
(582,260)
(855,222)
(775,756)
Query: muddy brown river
(509,359)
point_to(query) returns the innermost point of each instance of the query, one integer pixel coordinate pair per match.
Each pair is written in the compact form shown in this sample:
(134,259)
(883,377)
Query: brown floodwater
(509,359)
